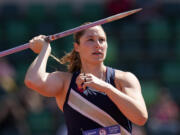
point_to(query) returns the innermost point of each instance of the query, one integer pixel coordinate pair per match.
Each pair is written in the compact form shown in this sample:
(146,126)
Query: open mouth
(97,53)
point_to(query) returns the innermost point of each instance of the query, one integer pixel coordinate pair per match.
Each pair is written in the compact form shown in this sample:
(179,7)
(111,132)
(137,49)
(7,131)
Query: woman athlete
(90,94)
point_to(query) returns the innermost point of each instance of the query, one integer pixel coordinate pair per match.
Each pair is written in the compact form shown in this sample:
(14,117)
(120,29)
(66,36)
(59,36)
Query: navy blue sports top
(92,109)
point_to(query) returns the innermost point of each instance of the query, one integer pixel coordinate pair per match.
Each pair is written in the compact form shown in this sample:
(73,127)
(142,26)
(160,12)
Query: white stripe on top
(91,111)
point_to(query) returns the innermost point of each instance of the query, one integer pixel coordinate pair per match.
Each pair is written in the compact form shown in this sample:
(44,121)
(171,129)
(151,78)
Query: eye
(101,40)
(90,39)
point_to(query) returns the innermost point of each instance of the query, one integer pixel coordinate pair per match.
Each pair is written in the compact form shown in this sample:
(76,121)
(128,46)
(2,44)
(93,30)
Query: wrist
(106,88)
(47,48)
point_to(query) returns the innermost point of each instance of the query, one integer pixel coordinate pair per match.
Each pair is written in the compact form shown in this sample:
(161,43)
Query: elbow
(29,83)
(32,83)
(36,85)
(28,80)
(142,120)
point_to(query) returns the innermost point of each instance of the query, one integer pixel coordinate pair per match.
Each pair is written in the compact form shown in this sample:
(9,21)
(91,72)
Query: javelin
(50,38)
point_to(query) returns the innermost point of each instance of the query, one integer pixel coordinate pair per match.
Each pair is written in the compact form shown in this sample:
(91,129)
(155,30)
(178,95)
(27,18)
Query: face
(93,45)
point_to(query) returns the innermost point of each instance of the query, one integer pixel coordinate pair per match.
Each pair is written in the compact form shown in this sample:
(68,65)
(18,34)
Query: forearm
(37,70)
(132,109)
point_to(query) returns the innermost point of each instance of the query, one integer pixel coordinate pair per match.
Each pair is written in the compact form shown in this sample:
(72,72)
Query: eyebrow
(90,36)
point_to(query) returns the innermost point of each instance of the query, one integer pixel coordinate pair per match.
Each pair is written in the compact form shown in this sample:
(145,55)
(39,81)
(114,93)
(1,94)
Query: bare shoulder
(122,75)
(126,79)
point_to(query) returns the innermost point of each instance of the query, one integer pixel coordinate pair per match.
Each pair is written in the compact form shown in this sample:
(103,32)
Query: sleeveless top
(92,109)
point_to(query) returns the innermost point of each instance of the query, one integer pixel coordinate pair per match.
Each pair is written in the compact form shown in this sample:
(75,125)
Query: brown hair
(73,58)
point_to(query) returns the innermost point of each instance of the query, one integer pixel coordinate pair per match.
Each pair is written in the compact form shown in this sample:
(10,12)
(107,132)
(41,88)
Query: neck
(97,70)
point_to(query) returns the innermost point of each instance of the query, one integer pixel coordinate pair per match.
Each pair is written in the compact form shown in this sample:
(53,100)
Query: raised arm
(47,84)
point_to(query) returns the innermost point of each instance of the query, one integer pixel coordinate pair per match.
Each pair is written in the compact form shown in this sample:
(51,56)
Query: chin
(98,61)
(95,60)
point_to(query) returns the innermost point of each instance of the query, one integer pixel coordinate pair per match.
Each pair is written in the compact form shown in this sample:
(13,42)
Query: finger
(38,37)
(88,75)
(80,87)
(82,74)
(31,43)
(80,81)
(86,84)
(46,39)
(82,77)
(42,36)
(35,38)
(86,81)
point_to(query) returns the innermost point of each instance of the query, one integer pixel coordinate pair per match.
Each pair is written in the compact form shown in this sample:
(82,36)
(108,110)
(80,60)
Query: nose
(98,44)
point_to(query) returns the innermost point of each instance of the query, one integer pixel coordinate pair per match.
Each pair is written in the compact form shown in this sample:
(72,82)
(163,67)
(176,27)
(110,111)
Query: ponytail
(73,60)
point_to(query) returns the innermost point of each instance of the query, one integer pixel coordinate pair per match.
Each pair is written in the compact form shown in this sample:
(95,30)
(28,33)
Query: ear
(76,47)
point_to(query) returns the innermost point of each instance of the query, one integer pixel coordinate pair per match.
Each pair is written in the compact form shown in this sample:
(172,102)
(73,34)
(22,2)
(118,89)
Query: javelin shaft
(71,31)
(99,22)
(14,50)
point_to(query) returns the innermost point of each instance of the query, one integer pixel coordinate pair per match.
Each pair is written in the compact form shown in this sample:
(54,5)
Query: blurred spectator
(6,69)
(7,74)
(137,130)
(12,117)
(12,114)
(164,116)
(41,120)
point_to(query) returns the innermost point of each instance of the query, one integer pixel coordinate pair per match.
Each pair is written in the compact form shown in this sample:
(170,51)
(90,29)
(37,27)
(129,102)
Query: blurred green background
(146,44)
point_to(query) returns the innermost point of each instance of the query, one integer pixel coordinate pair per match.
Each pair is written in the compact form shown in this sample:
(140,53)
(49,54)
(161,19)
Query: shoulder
(128,79)
(124,75)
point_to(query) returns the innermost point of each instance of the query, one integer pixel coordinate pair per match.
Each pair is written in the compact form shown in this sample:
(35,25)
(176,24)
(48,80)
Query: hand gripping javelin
(51,38)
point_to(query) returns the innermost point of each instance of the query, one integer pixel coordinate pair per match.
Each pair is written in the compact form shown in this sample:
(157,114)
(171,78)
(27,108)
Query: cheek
(85,49)
(87,46)
(105,47)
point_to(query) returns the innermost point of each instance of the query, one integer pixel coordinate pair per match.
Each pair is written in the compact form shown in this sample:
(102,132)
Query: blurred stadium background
(147,44)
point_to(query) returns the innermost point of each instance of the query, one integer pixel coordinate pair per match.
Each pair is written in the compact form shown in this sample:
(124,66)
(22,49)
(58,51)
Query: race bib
(112,130)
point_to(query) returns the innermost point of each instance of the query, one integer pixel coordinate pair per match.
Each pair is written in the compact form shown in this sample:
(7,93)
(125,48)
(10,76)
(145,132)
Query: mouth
(97,53)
